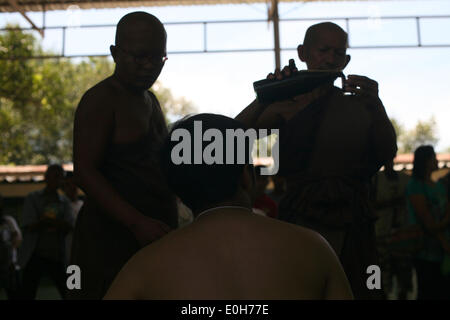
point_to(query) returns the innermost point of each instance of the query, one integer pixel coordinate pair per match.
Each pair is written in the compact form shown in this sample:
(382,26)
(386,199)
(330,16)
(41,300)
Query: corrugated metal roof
(39,5)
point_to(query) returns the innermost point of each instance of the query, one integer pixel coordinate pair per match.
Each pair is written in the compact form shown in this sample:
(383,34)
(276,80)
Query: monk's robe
(327,158)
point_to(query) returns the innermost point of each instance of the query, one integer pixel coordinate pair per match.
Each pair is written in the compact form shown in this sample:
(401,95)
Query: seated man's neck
(243,202)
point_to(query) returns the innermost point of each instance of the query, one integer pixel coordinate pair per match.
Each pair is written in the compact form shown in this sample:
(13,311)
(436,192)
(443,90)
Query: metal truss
(419,39)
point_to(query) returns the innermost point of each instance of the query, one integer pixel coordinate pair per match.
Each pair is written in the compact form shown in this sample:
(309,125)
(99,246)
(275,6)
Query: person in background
(46,221)
(71,191)
(389,200)
(10,240)
(279,188)
(428,207)
(263,204)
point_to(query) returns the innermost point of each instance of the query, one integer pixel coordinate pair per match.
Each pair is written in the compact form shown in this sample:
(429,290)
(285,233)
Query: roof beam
(17,7)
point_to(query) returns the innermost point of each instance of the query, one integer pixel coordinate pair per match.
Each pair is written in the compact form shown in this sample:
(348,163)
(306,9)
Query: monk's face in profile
(327,51)
(140,54)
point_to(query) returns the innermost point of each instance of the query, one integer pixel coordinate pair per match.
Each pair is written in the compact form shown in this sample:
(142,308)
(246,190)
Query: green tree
(38,98)
(399,129)
(423,133)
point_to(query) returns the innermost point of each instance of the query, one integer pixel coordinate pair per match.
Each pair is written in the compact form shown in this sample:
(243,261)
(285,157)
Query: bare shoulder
(305,236)
(148,270)
(337,286)
(95,111)
(98,98)
(326,260)
(313,246)
(133,279)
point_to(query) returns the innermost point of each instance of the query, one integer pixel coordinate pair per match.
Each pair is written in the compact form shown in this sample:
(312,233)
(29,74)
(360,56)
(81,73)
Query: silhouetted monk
(330,146)
(119,129)
(228,252)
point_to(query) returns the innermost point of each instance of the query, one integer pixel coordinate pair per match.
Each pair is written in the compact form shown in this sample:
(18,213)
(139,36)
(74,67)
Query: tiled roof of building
(35,173)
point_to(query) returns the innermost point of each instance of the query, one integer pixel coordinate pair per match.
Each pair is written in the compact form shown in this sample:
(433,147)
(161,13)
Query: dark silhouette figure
(263,203)
(331,196)
(389,200)
(46,221)
(428,206)
(10,240)
(119,128)
(279,188)
(228,252)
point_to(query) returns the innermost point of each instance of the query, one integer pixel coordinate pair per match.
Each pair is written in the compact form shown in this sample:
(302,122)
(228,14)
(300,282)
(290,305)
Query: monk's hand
(286,72)
(361,86)
(149,230)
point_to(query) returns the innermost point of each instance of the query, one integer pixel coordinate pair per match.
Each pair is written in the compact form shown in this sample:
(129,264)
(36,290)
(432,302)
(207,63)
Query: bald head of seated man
(228,252)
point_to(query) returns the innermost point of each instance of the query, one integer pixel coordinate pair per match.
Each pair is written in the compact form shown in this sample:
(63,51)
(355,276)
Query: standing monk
(119,129)
(330,146)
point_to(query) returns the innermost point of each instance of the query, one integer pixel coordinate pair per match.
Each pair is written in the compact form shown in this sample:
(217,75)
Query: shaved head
(132,22)
(324,47)
(313,33)
(139,50)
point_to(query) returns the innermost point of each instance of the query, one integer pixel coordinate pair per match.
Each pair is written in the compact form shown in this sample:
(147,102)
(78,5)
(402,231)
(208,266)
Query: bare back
(234,255)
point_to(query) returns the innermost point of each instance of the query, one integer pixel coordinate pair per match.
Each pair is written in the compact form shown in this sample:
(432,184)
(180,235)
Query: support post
(273,16)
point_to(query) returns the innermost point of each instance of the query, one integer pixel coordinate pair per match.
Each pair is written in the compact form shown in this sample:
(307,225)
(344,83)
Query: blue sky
(414,83)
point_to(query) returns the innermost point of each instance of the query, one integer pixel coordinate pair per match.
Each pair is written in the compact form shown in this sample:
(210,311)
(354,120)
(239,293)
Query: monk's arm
(382,133)
(93,129)
(273,115)
(249,116)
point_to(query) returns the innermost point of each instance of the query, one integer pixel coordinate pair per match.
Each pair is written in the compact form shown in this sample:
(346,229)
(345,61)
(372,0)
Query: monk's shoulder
(172,246)
(102,96)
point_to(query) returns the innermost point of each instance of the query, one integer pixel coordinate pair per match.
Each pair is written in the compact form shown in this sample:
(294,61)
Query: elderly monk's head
(324,47)
(140,49)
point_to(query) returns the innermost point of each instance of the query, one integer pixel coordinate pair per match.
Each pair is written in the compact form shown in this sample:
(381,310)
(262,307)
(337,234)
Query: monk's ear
(113,51)
(347,60)
(301,52)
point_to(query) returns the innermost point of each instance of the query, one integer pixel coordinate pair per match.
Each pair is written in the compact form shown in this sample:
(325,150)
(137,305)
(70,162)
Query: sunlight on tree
(38,98)
(425,132)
